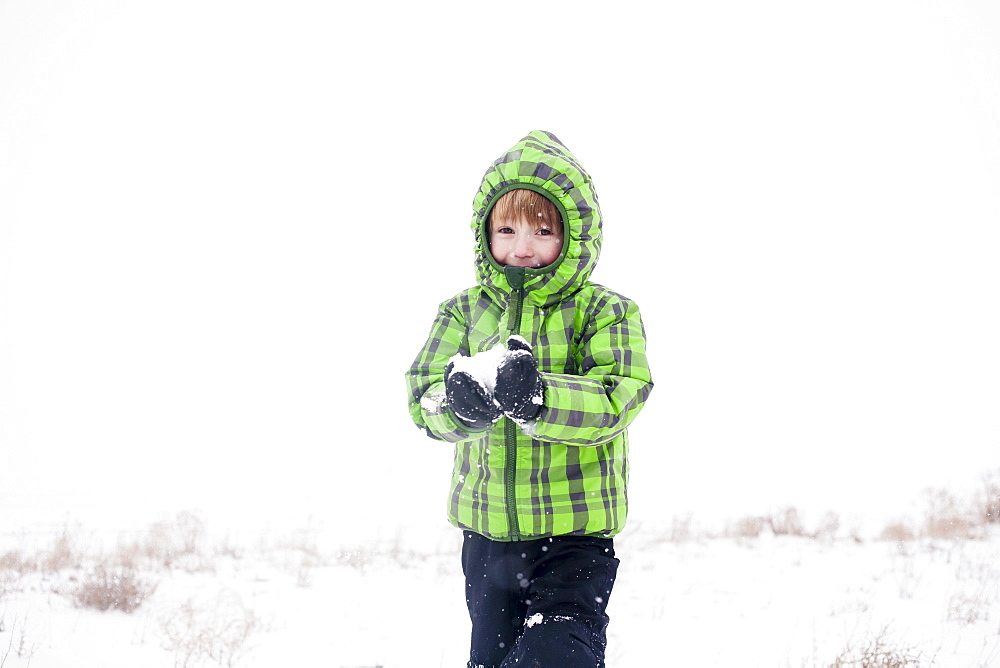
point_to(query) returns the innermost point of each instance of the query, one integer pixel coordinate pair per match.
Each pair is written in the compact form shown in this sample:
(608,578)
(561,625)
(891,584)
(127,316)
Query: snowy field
(224,231)
(763,591)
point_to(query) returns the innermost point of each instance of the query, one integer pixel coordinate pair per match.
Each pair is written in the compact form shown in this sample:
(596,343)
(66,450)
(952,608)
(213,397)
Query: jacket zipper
(515,277)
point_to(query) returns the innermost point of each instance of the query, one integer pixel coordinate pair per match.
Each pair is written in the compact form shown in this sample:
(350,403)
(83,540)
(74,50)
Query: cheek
(499,249)
(552,251)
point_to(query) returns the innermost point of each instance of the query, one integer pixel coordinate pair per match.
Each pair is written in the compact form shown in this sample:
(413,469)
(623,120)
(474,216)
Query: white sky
(225,228)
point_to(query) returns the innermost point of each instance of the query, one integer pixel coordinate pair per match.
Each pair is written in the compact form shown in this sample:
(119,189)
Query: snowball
(482,367)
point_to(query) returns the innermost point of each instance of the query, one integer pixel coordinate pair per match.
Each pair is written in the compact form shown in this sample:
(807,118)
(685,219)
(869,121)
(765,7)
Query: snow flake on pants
(538,618)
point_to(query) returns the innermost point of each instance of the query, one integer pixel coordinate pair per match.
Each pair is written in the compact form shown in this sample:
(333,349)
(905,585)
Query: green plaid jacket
(565,473)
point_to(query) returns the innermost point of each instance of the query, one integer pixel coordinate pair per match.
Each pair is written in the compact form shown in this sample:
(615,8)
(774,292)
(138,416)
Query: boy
(534,374)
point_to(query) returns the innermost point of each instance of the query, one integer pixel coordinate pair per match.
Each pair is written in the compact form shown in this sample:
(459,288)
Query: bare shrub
(680,529)
(878,652)
(361,557)
(63,554)
(786,522)
(11,582)
(304,540)
(857,605)
(828,527)
(17,642)
(218,632)
(297,553)
(187,531)
(988,499)
(906,577)
(945,516)
(112,587)
(978,571)
(357,558)
(969,608)
(15,561)
(749,526)
(227,547)
(898,532)
(175,543)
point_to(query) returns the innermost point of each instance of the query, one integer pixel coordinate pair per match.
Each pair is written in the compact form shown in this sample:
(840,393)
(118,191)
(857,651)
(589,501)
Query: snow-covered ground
(305,597)
(205,211)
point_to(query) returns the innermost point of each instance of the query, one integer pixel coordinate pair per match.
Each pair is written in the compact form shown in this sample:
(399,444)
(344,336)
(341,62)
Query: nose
(522,245)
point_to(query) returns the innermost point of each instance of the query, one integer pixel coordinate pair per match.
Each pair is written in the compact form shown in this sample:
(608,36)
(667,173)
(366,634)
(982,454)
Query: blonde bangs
(535,207)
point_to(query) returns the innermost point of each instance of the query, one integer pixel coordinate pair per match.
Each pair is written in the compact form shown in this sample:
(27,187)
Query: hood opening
(484,229)
(540,163)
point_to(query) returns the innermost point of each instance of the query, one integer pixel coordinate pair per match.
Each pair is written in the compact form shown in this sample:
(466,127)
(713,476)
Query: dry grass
(15,561)
(969,608)
(680,530)
(218,632)
(948,517)
(221,631)
(945,516)
(16,565)
(879,652)
(748,526)
(394,552)
(828,527)
(10,583)
(175,544)
(787,522)
(296,553)
(978,592)
(18,644)
(898,532)
(112,588)
(977,571)
(987,502)
(784,522)
(64,553)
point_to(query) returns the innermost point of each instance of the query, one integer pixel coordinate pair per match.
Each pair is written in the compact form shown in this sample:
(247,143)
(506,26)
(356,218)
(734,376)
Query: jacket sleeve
(597,405)
(425,378)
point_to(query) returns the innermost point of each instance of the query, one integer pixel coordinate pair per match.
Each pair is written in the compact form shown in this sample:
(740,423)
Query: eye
(544,231)
(505,230)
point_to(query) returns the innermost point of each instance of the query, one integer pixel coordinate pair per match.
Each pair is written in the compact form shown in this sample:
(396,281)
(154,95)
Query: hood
(542,163)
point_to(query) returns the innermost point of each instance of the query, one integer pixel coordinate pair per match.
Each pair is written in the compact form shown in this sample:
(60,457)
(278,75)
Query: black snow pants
(538,603)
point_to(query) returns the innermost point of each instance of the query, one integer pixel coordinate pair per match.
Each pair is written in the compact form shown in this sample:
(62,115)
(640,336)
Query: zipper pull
(515,278)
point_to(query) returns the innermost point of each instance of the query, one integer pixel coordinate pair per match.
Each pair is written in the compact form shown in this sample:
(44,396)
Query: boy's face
(520,243)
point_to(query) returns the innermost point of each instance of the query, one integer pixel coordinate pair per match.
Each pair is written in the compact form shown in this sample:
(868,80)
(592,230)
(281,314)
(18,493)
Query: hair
(535,207)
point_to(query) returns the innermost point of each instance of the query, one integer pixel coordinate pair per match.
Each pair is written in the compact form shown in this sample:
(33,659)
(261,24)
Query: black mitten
(469,400)
(519,387)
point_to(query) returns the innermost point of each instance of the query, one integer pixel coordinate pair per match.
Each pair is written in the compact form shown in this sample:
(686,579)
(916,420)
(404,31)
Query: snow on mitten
(469,399)
(518,388)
